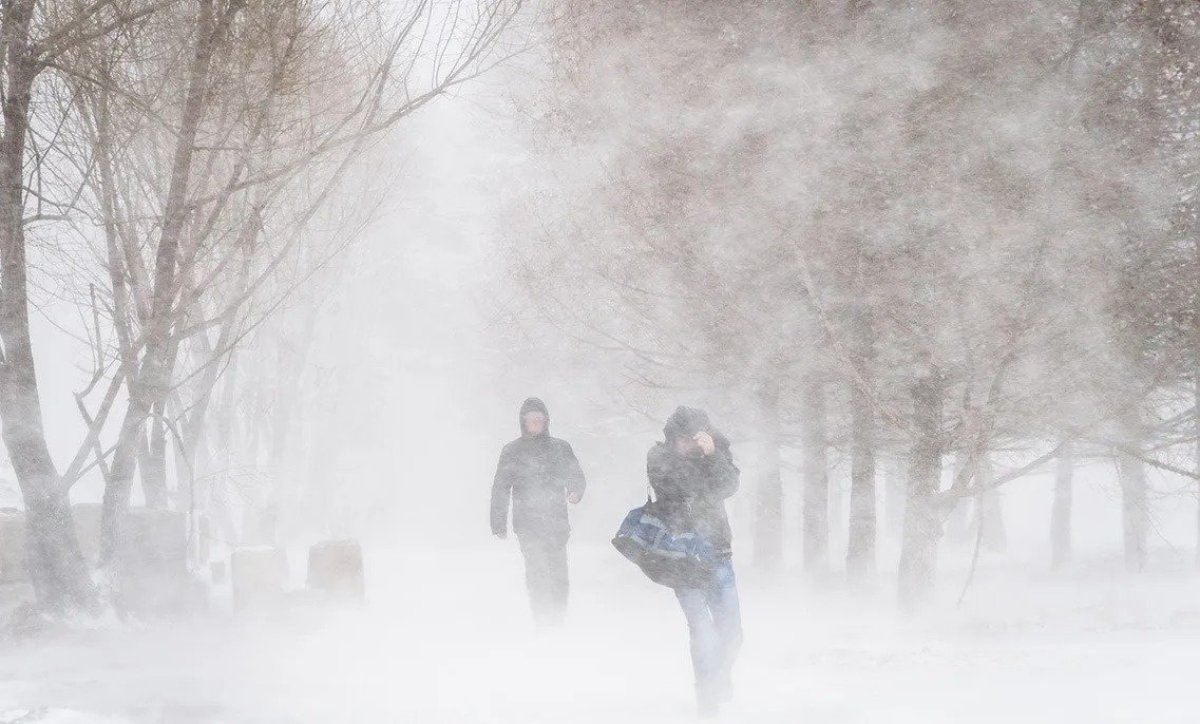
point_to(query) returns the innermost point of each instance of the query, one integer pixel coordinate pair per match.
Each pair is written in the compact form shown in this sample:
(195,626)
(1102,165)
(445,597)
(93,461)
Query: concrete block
(151,571)
(336,567)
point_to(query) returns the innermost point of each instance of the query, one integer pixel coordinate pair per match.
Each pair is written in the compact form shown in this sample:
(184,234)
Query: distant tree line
(910,233)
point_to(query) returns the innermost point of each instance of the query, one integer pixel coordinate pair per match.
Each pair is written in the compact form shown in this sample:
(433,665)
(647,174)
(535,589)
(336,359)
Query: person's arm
(651,472)
(658,475)
(722,475)
(574,481)
(501,495)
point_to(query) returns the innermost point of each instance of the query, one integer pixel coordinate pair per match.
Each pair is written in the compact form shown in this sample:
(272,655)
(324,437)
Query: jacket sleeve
(572,474)
(660,475)
(501,493)
(654,474)
(723,475)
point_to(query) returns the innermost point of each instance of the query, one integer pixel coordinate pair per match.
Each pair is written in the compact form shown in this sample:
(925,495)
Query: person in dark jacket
(692,474)
(540,474)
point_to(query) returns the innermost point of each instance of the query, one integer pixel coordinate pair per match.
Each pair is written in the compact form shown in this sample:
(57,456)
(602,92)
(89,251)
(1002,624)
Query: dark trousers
(546,578)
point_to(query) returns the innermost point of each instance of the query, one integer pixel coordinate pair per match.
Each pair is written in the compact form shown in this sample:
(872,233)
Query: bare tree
(36,34)
(279,101)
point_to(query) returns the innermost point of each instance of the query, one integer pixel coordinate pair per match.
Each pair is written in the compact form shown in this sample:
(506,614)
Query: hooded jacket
(690,491)
(536,472)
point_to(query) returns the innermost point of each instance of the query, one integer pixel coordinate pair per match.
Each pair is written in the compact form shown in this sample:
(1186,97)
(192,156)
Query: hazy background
(428,335)
(415,372)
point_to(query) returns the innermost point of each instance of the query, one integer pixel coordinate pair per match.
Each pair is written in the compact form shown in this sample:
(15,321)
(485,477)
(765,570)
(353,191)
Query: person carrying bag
(681,539)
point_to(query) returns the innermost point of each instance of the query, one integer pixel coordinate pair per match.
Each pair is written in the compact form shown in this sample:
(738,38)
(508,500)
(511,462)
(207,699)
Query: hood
(685,422)
(533,404)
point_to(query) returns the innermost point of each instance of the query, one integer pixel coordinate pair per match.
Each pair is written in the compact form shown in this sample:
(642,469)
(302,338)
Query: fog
(928,268)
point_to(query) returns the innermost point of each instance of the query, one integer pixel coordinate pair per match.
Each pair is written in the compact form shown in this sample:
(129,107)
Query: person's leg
(537,573)
(722,600)
(703,638)
(558,586)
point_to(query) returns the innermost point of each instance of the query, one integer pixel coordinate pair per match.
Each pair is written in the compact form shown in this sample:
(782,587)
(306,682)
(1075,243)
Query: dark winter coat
(690,492)
(537,472)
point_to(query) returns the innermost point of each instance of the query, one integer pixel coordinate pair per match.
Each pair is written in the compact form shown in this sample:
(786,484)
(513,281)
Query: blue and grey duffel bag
(677,560)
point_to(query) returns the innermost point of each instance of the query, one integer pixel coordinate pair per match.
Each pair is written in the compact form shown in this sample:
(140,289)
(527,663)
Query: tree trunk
(838,518)
(1060,516)
(119,487)
(816,477)
(153,462)
(1135,514)
(990,511)
(894,484)
(224,421)
(959,524)
(132,445)
(768,524)
(1196,457)
(922,520)
(55,563)
(151,383)
(861,534)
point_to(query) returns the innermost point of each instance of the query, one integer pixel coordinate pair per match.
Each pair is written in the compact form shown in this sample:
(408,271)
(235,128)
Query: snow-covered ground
(445,637)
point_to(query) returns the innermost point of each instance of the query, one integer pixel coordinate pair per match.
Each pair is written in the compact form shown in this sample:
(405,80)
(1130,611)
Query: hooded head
(534,405)
(685,422)
(682,426)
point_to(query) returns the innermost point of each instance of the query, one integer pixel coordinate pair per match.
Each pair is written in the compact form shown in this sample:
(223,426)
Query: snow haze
(930,267)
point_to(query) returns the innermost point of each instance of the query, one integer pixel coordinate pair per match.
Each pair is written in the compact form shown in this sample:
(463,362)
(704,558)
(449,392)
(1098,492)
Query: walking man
(540,475)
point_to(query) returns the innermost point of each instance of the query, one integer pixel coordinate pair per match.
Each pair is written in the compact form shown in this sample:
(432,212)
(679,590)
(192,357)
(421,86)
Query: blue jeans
(714,621)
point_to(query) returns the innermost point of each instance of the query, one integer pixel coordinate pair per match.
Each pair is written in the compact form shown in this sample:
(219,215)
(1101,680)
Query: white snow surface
(446,637)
